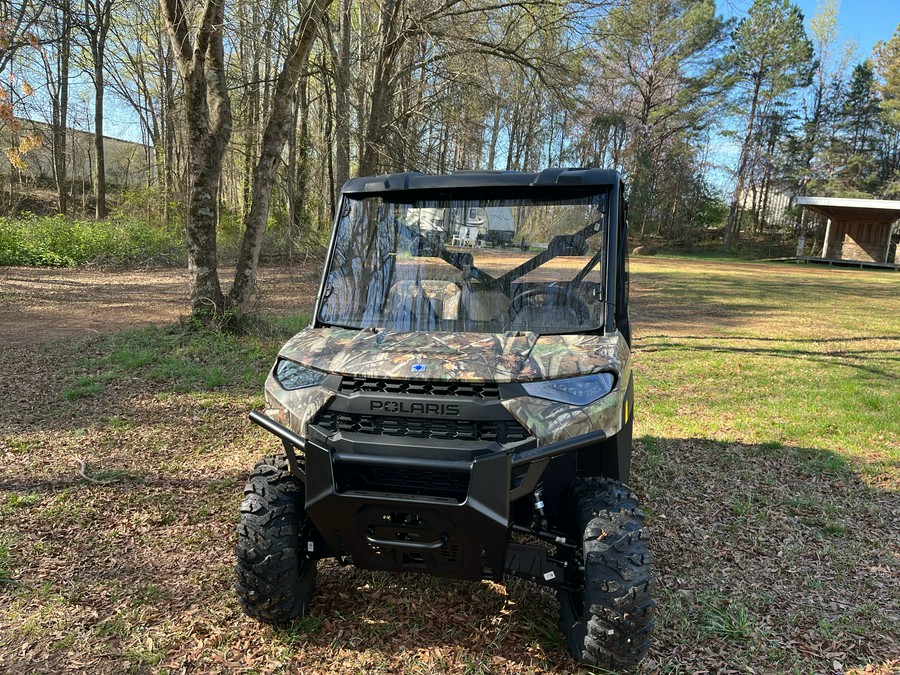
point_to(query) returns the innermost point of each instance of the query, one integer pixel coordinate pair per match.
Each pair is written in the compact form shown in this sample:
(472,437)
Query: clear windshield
(468,265)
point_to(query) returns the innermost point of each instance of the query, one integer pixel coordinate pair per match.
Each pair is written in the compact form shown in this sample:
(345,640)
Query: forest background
(716,124)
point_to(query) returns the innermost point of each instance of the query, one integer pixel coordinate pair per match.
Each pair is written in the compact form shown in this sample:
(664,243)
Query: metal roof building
(859,230)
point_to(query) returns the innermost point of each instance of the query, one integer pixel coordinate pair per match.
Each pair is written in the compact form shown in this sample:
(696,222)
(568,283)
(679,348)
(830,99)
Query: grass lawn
(767,456)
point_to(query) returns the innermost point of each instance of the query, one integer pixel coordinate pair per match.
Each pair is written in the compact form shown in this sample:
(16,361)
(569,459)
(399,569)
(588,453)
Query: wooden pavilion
(859,230)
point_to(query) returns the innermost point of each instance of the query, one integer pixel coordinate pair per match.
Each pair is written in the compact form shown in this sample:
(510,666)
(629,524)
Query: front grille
(405,481)
(360,385)
(500,431)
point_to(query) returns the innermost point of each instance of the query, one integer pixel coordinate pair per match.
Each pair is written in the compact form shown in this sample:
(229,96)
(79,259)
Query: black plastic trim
(420,406)
(273,427)
(289,439)
(461,536)
(522,457)
(473,423)
(449,466)
(518,457)
(555,177)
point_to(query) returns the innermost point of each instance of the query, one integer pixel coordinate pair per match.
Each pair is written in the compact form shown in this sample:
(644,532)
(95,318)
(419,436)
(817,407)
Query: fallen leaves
(765,563)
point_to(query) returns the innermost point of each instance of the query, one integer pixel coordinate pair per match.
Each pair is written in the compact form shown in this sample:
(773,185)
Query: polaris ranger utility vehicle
(460,409)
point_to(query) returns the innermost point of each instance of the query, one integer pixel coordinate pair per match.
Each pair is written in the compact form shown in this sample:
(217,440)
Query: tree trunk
(100,169)
(764,209)
(201,61)
(495,135)
(342,105)
(732,225)
(274,139)
(382,89)
(292,185)
(205,151)
(96,27)
(61,108)
(168,124)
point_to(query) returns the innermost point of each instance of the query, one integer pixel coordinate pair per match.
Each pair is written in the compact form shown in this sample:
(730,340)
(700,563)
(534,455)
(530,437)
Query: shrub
(58,241)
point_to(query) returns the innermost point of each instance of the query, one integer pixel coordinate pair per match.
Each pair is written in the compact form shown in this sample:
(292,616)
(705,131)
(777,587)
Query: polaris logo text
(415,408)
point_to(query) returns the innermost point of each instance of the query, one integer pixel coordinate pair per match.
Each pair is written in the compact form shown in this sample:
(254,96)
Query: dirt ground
(38,304)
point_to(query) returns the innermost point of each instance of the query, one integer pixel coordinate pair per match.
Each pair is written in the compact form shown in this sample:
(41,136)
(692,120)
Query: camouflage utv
(462,404)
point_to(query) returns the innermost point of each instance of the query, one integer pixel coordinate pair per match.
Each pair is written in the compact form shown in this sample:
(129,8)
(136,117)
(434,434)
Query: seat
(485,306)
(444,297)
(421,305)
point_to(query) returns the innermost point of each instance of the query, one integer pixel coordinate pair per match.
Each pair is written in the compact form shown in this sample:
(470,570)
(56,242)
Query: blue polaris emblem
(418,367)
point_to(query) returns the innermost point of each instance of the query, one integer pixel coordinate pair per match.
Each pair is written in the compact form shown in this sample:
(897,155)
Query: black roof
(401,182)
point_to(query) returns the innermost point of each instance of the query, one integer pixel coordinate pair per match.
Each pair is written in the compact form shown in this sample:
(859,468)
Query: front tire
(608,617)
(275,579)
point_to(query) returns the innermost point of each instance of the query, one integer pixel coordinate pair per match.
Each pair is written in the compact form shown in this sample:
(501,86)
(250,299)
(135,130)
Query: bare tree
(275,137)
(142,72)
(17,23)
(208,109)
(56,62)
(414,40)
(341,59)
(96,23)
(199,55)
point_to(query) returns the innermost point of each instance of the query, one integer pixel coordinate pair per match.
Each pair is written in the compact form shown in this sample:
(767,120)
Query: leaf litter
(765,563)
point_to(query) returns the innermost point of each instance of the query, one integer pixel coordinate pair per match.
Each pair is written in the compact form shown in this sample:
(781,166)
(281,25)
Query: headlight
(292,375)
(573,390)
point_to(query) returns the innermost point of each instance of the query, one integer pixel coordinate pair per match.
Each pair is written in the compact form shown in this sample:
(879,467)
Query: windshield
(468,265)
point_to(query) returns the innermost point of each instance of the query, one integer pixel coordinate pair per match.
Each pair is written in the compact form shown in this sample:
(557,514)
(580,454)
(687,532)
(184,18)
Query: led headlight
(573,390)
(292,375)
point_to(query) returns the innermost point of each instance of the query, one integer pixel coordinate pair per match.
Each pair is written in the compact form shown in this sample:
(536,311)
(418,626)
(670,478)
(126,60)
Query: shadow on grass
(367,611)
(864,338)
(735,297)
(759,550)
(762,549)
(756,553)
(860,359)
(114,379)
(777,557)
(119,483)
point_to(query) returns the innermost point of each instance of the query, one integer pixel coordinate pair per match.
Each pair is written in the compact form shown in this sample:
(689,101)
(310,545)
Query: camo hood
(472,357)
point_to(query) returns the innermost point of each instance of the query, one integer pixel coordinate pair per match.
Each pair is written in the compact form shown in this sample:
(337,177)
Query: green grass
(181,359)
(113,626)
(129,238)
(793,395)
(782,358)
(22,501)
(768,448)
(725,618)
(298,631)
(6,561)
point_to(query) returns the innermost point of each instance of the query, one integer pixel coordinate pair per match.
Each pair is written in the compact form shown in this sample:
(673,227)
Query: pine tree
(887,66)
(772,57)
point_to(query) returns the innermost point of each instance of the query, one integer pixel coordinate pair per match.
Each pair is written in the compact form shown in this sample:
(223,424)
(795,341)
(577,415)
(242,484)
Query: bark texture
(209,121)
(278,128)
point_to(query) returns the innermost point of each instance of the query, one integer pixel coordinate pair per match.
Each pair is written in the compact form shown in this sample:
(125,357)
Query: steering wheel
(550,296)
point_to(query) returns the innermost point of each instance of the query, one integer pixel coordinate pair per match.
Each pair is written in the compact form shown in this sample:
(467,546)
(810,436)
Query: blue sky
(863,21)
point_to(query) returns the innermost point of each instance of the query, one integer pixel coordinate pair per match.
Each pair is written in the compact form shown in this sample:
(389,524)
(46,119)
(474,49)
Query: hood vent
(357,385)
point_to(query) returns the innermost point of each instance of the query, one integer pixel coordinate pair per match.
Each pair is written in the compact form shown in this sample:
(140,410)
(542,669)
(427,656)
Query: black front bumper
(462,537)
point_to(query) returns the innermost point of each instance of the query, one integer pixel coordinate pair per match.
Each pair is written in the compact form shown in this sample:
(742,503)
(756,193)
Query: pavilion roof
(854,210)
